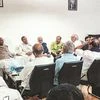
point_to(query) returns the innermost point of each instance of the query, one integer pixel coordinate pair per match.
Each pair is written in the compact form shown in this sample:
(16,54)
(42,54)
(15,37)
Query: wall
(48,18)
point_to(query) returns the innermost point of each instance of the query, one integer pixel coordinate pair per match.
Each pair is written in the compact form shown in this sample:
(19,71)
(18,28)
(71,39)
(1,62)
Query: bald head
(37,49)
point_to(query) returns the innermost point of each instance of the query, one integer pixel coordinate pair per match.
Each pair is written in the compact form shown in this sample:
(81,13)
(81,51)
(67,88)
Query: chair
(11,78)
(93,75)
(41,80)
(70,73)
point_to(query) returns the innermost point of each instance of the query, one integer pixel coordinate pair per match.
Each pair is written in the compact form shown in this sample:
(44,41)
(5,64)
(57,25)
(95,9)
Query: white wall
(48,18)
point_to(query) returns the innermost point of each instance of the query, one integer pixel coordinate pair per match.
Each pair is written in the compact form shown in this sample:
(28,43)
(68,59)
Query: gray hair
(68,47)
(75,35)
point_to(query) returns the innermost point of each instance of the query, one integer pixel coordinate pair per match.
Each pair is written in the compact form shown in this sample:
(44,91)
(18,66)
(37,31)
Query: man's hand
(29,53)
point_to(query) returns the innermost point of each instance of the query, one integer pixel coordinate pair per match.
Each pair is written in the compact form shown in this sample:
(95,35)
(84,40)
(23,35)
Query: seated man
(88,58)
(25,48)
(95,46)
(7,93)
(40,59)
(7,59)
(67,56)
(88,43)
(91,44)
(77,43)
(5,55)
(56,47)
(65,92)
(4,51)
(40,40)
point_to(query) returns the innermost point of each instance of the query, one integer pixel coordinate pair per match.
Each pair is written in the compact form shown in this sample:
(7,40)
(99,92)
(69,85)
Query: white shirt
(77,43)
(2,82)
(88,58)
(23,49)
(7,63)
(7,93)
(26,72)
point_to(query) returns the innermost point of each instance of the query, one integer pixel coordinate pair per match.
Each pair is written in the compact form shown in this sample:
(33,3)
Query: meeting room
(49,50)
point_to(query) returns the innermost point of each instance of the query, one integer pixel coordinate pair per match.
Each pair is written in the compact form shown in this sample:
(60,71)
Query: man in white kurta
(26,72)
(25,48)
(40,59)
(88,58)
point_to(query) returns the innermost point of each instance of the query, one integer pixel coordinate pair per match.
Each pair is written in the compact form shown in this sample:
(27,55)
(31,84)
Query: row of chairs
(42,77)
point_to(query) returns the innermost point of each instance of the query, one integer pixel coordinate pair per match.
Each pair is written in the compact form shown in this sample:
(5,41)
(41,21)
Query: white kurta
(26,72)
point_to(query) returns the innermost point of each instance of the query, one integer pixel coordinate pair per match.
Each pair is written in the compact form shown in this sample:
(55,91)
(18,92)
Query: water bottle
(12,69)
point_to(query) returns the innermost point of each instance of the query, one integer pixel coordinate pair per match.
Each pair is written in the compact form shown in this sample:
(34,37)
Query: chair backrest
(41,80)
(70,73)
(93,73)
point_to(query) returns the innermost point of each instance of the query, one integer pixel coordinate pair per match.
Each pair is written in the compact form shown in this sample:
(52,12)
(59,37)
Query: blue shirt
(67,57)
